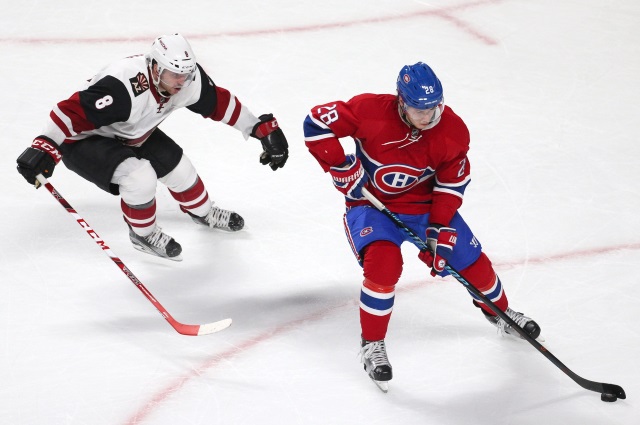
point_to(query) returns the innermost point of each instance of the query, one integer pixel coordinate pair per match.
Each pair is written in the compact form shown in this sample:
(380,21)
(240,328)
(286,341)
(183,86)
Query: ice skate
(157,243)
(217,218)
(374,356)
(526,323)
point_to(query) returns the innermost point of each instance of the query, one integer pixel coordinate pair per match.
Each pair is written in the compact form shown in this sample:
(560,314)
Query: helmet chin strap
(403,116)
(156,83)
(401,112)
(432,123)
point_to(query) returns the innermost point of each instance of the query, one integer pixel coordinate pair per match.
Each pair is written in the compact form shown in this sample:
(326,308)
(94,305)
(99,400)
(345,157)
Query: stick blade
(615,390)
(198,330)
(214,327)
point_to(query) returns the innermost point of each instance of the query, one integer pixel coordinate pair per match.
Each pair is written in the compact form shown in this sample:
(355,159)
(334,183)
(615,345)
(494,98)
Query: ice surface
(549,91)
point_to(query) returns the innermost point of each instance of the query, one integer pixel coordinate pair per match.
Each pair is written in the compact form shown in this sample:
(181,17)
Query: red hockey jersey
(411,171)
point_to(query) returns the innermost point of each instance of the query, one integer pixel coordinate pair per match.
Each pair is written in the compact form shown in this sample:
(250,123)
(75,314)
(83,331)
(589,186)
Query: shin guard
(382,269)
(482,276)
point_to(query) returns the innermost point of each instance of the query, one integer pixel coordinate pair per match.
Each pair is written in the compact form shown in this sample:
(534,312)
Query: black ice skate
(526,323)
(157,243)
(217,218)
(374,356)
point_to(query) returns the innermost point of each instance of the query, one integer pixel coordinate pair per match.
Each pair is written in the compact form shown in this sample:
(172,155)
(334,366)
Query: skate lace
(375,352)
(217,217)
(520,319)
(158,239)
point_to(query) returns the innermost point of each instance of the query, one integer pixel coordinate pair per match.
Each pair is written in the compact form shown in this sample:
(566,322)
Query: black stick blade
(616,390)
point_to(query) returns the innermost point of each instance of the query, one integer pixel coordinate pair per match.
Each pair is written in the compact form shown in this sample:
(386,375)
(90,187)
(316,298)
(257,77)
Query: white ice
(549,90)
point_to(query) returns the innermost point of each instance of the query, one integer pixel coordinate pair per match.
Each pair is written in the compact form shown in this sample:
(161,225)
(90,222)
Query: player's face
(420,118)
(172,82)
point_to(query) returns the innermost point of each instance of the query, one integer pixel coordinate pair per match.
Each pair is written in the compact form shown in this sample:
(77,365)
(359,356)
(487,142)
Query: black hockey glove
(39,158)
(276,148)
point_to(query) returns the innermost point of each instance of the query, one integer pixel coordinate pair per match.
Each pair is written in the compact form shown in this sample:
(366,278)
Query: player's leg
(187,188)
(137,181)
(114,168)
(482,275)
(382,267)
(178,174)
(477,269)
(376,245)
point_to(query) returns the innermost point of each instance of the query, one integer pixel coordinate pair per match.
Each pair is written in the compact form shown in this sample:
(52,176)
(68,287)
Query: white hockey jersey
(121,102)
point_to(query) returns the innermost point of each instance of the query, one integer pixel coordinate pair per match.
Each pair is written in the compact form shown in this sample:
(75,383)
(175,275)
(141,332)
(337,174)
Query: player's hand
(276,148)
(39,158)
(441,241)
(350,177)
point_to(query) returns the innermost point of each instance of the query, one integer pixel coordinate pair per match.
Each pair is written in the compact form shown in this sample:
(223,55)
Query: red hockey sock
(194,200)
(482,276)
(141,220)
(376,304)
(382,268)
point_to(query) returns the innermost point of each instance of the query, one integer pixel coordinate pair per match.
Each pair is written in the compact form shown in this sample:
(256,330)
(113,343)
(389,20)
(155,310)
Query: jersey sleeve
(219,104)
(323,128)
(451,179)
(103,103)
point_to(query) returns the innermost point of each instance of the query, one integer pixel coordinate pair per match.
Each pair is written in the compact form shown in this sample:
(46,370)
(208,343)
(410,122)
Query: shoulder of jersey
(377,106)
(373,98)
(451,117)
(132,72)
(454,125)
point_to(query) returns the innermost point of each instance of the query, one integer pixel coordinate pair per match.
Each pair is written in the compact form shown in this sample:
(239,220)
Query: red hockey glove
(441,241)
(40,158)
(350,177)
(276,148)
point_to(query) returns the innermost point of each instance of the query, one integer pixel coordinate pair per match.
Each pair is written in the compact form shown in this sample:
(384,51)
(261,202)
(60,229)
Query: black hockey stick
(191,330)
(610,392)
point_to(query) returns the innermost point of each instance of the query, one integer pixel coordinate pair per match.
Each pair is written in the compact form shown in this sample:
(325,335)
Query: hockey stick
(192,330)
(609,391)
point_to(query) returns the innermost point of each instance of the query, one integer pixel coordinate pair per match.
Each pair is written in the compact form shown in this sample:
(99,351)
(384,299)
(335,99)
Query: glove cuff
(347,172)
(46,145)
(266,126)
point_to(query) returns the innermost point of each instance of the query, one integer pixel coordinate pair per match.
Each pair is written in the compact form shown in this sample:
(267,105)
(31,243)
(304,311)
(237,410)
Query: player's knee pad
(382,263)
(137,180)
(181,178)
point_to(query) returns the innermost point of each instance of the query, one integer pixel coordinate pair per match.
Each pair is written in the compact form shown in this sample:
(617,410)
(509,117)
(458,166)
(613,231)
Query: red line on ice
(446,13)
(214,361)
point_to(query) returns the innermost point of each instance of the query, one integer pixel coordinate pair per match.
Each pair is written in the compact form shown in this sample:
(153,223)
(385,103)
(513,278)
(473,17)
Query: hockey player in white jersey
(108,134)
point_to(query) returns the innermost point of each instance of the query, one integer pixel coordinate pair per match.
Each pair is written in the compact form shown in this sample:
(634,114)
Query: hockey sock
(382,268)
(482,276)
(194,200)
(376,304)
(141,218)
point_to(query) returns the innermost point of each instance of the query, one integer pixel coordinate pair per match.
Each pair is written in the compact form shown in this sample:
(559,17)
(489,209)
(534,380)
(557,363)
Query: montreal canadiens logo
(393,179)
(406,78)
(366,231)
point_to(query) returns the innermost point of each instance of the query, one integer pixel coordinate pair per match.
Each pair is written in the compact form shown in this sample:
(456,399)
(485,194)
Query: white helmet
(172,53)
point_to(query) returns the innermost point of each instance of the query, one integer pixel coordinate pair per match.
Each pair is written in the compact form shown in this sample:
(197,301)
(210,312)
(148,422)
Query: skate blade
(382,385)
(155,254)
(517,337)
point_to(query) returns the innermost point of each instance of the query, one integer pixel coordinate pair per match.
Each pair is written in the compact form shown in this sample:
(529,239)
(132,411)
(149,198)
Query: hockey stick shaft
(584,383)
(184,329)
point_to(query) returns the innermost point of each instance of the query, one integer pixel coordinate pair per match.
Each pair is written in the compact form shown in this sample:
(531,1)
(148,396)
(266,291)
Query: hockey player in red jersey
(411,153)
(108,134)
